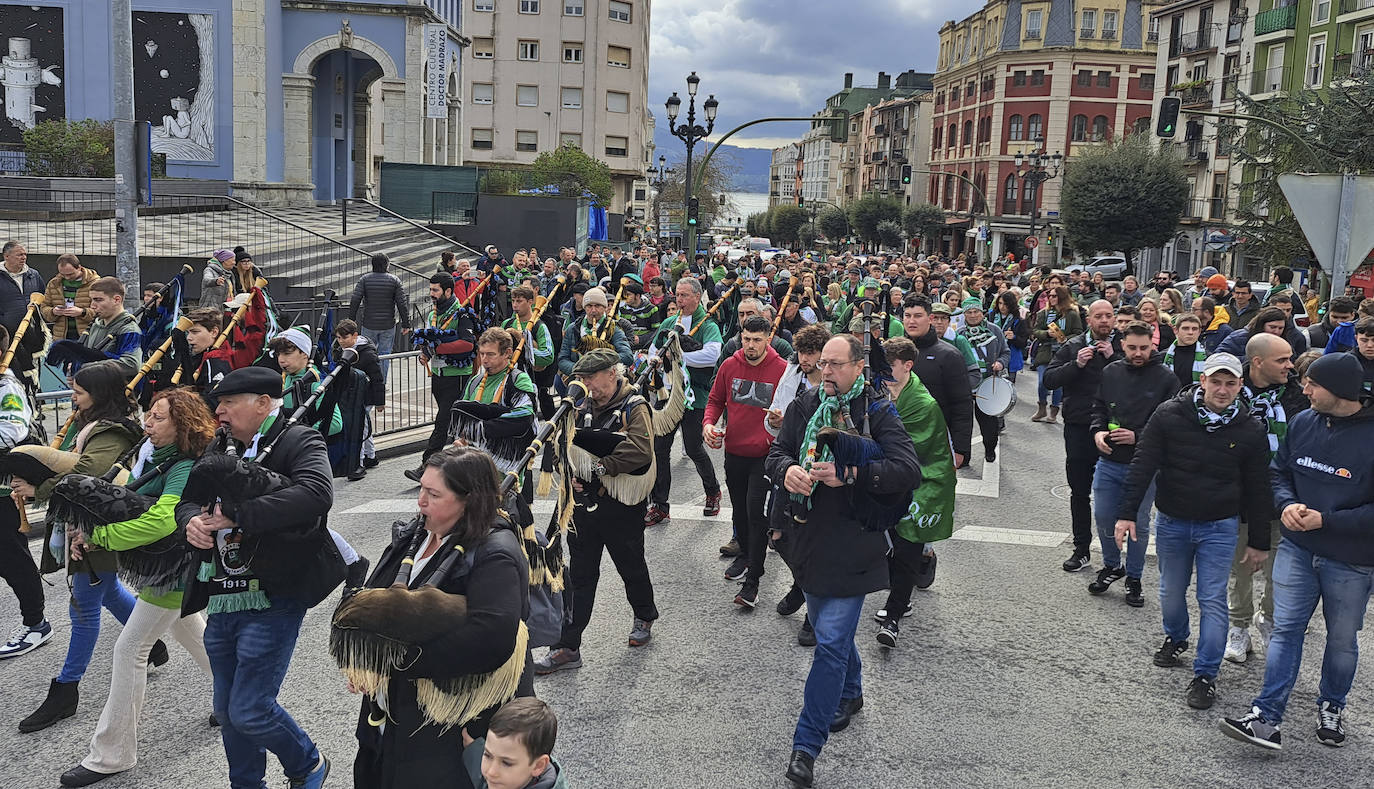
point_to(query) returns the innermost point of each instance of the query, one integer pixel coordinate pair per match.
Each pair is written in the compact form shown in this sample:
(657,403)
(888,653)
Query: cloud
(786,57)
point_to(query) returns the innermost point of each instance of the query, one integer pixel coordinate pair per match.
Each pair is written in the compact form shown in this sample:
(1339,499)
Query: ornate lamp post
(662,170)
(690,133)
(1037,167)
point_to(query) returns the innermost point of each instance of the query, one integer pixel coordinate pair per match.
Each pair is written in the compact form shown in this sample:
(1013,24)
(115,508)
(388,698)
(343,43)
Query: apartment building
(1016,77)
(782,175)
(544,73)
(893,136)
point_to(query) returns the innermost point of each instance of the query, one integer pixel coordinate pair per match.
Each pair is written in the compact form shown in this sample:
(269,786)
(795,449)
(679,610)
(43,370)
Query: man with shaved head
(1275,396)
(1077,369)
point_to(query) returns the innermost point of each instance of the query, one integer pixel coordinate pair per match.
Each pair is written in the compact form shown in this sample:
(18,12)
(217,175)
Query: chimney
(848,80)
(884,81)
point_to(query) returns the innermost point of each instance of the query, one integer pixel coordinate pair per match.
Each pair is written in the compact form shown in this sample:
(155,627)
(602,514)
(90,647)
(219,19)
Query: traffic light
(801,201)
(1168,116)
(1049,234)
(839,126)
(906,173)
(692,212)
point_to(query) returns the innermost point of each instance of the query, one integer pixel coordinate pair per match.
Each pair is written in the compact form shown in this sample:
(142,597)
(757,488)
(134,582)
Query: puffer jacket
(378,298)
(55,297)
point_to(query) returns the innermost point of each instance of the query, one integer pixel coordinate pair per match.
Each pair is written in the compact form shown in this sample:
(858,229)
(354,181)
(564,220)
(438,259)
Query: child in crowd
(516,753)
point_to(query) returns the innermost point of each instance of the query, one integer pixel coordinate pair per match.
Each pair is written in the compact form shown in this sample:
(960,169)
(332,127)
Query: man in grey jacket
(378,300)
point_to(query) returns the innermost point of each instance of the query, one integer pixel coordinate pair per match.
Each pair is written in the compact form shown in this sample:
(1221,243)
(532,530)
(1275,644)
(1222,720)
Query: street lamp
(690,133)
(662,170)
(1037,167)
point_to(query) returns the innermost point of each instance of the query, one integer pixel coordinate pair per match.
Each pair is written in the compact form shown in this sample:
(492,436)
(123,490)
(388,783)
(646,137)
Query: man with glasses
(834,559)
(1162,282)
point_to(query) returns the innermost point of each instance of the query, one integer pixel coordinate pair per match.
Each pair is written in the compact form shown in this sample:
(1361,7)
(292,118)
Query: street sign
(1032,242)
(1051,214)
(1336,213)
(436,57)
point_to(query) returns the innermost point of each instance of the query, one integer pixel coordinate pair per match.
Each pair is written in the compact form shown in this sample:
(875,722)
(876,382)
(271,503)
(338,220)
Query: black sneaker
(414,474)
(1202,693)
(1105,578)
(990,456)
(807,635)
(1135,596)
(1330,730)
(737,569)
(925,571)
(1254,729)
(371,462)
(1079,560)
(1167,656)
(881,614)
(748,596)
(887,633)
(791,602)
(712,506)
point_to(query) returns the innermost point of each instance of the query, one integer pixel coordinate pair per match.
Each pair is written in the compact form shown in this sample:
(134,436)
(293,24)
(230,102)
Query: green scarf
(1210,420)
(1199,358)
(831,407)
(977,337)
(1268,404)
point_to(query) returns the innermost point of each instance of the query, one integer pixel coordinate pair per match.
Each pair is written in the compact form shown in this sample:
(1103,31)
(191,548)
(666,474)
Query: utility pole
(126,145)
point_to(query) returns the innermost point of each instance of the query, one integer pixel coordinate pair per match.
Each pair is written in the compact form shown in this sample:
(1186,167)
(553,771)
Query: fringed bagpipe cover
(86,502)
(873,511)
(230,480)
(481,426)
(664,389)
(588,445)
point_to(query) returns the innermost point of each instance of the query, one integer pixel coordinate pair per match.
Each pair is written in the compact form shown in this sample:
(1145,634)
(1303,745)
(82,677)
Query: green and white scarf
(1268,404)
(1199,358)
(831,407)
(1210,420)
(978,337)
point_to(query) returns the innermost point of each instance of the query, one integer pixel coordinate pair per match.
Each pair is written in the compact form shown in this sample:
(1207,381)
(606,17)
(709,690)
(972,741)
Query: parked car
(1109,266)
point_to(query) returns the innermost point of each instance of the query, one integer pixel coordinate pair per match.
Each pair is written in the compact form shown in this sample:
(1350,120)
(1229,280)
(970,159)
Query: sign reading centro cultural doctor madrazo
(436,87)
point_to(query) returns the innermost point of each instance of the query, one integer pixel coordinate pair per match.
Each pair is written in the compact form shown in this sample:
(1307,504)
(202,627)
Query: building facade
(782,175)
(290,101)
(1016,77)
(545,73)
(894,136)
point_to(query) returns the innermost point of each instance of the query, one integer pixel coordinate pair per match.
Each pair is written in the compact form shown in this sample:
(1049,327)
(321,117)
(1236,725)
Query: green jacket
(105,443)
(931,517)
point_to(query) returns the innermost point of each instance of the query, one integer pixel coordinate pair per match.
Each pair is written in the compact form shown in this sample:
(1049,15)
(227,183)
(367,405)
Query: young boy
(200,367)
(347,335)
(1186,355)
(292,349)
(515,754)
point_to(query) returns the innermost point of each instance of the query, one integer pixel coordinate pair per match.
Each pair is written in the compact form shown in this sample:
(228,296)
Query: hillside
(753,163)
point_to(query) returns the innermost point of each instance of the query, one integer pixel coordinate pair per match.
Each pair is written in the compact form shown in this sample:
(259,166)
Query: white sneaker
(26,639)
(1265,628)
(1238,646)
(880,615)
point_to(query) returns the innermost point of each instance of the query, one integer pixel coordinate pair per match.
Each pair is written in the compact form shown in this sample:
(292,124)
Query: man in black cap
(272,559)
(602,519)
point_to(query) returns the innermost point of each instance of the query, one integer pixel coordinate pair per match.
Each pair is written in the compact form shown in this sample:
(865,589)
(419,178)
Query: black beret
(249,380)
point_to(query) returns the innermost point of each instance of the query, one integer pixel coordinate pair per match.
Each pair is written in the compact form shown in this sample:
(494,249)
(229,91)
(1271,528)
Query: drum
(995,397)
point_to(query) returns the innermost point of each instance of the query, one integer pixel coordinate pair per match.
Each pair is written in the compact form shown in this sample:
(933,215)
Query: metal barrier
(56,405)
(408,401)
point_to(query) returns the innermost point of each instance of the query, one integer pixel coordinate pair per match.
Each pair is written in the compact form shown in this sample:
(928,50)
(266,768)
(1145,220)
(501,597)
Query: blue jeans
(385,341)
(1300,580)
(1209,544)
(1044,394)
(86,602)
(249,653)
(836,672)
(1109,482)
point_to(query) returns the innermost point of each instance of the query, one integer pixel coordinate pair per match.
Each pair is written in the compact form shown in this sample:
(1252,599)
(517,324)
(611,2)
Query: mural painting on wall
(32,67)
(174,82)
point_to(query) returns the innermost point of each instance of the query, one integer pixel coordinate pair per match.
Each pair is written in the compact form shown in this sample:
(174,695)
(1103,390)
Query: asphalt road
(1008,675)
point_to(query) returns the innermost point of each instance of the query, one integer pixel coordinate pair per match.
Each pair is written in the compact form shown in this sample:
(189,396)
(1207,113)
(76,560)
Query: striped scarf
(831,407)
(1267,404)
(978,337)
(1210,420)
(1199,357)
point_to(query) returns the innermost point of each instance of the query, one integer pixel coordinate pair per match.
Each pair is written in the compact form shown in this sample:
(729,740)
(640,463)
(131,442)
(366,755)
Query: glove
(690,343)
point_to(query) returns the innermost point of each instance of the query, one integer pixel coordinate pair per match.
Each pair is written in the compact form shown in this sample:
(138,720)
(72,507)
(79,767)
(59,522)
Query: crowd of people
(844,393)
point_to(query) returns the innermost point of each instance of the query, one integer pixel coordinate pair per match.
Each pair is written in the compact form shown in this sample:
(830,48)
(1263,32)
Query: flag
(156,324)
(324,342)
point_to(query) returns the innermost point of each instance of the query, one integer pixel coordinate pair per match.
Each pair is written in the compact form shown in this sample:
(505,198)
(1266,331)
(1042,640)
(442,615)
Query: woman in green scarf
(931,517)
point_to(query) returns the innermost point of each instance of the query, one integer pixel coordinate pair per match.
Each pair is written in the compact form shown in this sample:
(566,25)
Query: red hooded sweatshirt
(744,392)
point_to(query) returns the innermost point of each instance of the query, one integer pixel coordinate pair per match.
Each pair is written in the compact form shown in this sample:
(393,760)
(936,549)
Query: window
(1153,34)
(483,93)
(1321,11)
(1100,131)
(570,138)
(1028,189)
(1037,77)
(1080,128)
(1316,60)
(572,7)
(527,95)
(572,51)
(483,5)
(954,93)
(641,194)
(1033,23)
(1014,127)
(618,57)
(527,141)
(481,140)
(968,132)
(971,89)
(1109,24)
(483,48)
(619,12)
(529,6)
(528,50)
(1147,81)
(617,101)
(935,139)
(953,138)
(572,98)
(1009,195)
(1089,23)
(617,146)
(1142,125)
(1104,79)
(1085,78)
(1034,129)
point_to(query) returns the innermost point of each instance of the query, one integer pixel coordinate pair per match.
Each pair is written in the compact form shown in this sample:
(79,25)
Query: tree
(573,172)
(501,182)
(1333,122)
(889,233)
(866,212)
(717,183)
(807,236)
(833,223)
(923,221)
(1126,196)
(787,220)
(71,149)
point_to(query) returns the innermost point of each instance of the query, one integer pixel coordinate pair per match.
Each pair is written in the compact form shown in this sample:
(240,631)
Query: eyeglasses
(824,364)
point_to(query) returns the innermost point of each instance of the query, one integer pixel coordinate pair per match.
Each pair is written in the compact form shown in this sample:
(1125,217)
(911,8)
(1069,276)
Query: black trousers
(989,426)
(446,389)
(543,381)
(748,493)
(617,529)
(16,564)
(696,450)
(1080,459)
(902,565)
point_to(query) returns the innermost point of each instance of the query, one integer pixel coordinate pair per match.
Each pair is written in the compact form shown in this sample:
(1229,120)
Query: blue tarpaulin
(596,223)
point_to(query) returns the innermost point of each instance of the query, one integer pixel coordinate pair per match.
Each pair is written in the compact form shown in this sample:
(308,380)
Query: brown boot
(1054,415)
(1039,414)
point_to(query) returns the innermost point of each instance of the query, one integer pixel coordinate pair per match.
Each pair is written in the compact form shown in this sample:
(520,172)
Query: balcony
(1199,40)
(1109,34)
(1152,37)
(1194,94)
(1351,6)
(1277,19)
(898,155)
(1192,151)
(1087,32)
(880,130)
(1230,87)
(1269,80)
(877,156)
(1195,210)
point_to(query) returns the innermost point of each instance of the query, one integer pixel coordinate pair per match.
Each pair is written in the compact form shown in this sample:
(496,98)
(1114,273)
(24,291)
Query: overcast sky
(786,57)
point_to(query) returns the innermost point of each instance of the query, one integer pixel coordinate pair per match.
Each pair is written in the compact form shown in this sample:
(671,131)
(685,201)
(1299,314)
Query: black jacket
(378,299)
(1319,333)
(831,555)
(942,369)
(496,583)
(286,532)
(370,364)
(1128,396)
(1079,383)
(1202,476)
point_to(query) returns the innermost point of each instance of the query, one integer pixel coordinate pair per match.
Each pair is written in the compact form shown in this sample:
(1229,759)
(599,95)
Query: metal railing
(1351,6)
(1269,80)
(343,218)
(1196,95)
(1276,19)
(408,401)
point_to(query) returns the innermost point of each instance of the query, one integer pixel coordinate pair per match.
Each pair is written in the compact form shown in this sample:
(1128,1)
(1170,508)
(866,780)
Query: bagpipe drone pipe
(662,383)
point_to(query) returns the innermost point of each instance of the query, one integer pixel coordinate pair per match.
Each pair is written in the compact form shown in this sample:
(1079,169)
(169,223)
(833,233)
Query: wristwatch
(598,470)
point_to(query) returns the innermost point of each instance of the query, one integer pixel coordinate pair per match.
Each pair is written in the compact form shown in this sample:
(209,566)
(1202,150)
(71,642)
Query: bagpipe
(376,631)
(583,447)
(35,301)
(481,425)
(455,339)
(661,384)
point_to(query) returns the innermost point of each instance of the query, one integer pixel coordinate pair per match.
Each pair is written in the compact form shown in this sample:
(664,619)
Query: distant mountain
(753,163)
